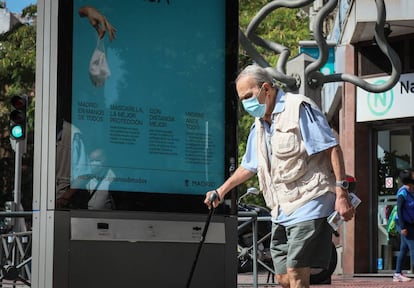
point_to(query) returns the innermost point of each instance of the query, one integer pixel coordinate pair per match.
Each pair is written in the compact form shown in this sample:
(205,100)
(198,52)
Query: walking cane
(203,238)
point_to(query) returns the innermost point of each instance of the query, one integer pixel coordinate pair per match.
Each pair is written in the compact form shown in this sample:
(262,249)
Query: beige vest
(290,178)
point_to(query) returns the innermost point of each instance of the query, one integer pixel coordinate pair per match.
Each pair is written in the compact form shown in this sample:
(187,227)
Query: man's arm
(239,176)
(342,203)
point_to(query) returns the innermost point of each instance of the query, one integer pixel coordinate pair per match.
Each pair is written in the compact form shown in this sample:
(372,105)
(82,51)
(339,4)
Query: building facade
(376,129)
(7,19)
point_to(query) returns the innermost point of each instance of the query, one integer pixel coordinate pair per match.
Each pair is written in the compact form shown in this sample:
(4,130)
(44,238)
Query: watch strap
(343,184)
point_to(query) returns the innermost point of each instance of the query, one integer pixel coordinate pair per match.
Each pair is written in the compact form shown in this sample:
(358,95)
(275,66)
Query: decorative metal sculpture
(313,77)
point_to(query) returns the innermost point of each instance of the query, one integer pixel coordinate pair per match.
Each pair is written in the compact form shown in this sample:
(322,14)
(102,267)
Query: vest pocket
(287,192)
(310,182)
(291,169)
(287,144)
(289,161)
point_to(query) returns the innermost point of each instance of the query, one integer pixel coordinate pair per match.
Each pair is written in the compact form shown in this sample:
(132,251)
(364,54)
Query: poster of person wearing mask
(148,87)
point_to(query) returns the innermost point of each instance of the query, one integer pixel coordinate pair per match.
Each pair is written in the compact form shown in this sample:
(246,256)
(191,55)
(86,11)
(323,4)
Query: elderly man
(301,173)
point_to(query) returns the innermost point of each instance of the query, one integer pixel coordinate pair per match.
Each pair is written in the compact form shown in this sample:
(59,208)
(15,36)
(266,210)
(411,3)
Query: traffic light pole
(18,225)
(18,173)
(17,129)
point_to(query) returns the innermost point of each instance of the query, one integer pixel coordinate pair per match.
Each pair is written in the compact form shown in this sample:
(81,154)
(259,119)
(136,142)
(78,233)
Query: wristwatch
(343,184)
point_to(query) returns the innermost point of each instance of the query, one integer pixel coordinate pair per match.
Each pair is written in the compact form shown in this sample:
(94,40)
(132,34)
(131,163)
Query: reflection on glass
(71,165)
(99,184)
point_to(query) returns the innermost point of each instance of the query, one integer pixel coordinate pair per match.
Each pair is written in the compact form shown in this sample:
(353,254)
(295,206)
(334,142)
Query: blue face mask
(253,107)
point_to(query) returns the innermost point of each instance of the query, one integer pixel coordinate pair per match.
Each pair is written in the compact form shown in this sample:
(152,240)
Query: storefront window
(393,155)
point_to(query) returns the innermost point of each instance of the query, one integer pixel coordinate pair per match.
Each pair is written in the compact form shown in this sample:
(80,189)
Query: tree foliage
(284,26)
(17,77)
(18,64)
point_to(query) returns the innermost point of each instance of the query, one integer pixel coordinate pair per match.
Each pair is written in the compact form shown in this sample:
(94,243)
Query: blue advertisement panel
(147,84)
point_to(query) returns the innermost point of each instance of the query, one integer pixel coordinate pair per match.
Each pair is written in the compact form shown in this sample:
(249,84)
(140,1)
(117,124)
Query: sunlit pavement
(246,280)
(12,284)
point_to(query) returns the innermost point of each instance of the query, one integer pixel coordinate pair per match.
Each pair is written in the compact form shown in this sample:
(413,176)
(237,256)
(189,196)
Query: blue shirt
(405,207)
(317,137)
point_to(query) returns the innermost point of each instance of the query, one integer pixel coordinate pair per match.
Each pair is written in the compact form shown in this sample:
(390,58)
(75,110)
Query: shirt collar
(280,102)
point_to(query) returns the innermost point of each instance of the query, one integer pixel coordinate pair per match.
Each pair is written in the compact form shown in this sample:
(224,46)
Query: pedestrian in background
(405,222)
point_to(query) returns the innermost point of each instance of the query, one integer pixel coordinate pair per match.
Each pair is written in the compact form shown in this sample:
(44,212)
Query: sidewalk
(12,284)
(245,280)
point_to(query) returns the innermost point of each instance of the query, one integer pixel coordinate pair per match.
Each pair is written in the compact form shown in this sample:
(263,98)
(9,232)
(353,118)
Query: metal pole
(254,228)
(17,183)
(251,216)
(17,173)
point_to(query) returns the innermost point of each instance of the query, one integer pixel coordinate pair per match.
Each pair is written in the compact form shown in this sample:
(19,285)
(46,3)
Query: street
(245,280)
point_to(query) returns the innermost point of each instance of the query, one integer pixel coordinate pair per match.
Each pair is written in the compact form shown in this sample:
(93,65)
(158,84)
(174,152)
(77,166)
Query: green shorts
(306,244)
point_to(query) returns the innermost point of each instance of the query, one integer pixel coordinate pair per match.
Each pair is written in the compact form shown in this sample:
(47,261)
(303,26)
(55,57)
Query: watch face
(345,184)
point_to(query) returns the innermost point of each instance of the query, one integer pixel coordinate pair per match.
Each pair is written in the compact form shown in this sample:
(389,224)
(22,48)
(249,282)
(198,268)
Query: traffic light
(18,117)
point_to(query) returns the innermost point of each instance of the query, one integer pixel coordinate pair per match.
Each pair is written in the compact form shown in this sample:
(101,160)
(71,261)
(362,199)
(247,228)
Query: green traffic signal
(18,118)
(17,132)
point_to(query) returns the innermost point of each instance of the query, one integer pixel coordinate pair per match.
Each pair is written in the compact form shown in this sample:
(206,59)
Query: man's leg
(299,277)
(279,249)
(283,280)
(307,247)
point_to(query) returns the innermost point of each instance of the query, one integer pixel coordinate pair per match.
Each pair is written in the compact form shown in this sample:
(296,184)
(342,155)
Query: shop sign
(394,103)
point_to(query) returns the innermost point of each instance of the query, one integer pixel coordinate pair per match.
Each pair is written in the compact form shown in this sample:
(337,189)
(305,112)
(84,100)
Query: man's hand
(343,204)
(212,199)
(98,21)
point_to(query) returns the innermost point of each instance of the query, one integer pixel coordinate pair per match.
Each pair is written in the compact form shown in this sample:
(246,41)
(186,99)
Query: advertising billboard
(144,101)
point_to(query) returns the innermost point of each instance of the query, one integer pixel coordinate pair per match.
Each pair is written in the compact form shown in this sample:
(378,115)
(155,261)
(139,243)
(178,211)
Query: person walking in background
(405,222)
(301,173)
